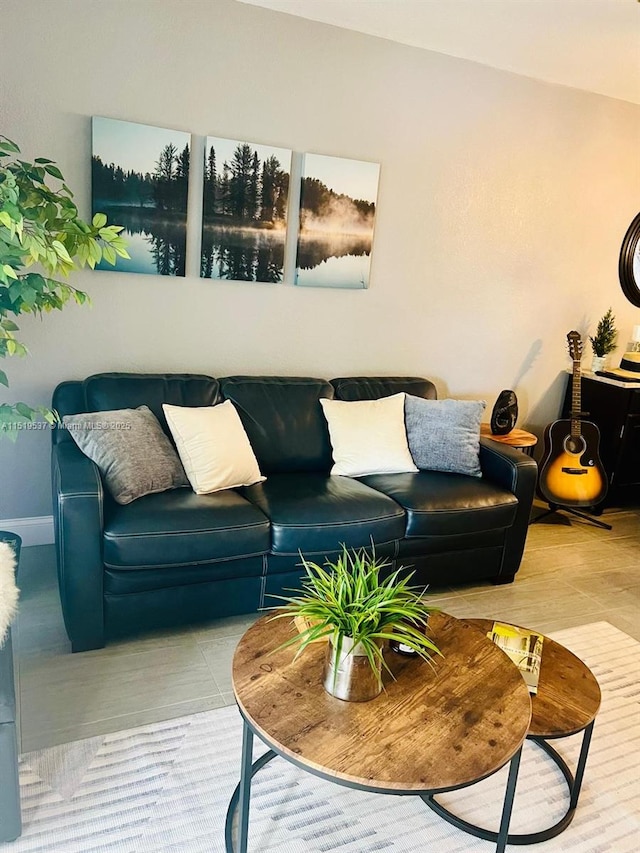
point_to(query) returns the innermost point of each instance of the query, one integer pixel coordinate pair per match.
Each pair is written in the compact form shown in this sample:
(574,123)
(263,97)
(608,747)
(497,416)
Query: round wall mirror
(629,267)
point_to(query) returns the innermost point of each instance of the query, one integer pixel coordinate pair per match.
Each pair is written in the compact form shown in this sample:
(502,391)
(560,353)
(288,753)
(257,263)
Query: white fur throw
(8,589)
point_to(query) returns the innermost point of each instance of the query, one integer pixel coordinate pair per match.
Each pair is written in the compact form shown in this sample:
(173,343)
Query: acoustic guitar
(571,472)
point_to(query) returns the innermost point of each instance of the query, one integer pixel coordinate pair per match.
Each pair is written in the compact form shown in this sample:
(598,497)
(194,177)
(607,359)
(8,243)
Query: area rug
(165,787)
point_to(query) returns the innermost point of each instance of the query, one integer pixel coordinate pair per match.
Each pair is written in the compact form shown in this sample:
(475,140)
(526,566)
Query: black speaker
(505,413)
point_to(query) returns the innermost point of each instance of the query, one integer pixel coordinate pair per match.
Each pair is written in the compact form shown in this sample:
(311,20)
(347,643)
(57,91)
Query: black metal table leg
(240,799)
(507,808)
(574,784)
(582,761)
(242,793)
(245,788)
(502,837)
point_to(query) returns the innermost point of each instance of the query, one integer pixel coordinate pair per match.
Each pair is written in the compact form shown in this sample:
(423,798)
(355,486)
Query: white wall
(503,202)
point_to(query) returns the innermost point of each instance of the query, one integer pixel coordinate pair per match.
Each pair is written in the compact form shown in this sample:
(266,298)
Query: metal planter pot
(351,678)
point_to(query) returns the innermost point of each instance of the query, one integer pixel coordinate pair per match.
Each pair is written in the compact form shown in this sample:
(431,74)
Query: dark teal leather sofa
(178,557)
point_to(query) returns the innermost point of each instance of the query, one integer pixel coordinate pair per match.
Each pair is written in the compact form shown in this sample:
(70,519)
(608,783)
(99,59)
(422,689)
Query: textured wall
(502,205)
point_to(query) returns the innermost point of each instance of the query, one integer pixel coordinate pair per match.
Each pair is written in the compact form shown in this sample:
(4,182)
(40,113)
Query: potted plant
(42,238)
(604,340)
(348,604)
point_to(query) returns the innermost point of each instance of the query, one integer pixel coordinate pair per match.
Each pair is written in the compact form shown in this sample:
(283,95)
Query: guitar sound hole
(574,444)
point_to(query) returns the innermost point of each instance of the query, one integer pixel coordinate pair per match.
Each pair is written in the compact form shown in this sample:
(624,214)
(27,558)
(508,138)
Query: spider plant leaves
(348,597)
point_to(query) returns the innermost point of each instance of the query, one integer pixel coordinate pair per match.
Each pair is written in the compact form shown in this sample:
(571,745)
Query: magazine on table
(524,647)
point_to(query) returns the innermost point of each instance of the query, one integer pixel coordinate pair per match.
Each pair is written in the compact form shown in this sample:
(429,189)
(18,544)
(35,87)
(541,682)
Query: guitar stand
(557,507)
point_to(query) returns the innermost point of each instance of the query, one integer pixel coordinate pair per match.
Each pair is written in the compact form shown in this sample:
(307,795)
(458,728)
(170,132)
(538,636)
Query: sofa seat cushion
(440,504)
(181,528)
(317,513)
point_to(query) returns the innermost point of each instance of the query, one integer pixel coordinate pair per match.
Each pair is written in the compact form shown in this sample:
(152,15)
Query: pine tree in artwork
(164,174)
(210,184)
(181,180)
(240,168)
(251,211)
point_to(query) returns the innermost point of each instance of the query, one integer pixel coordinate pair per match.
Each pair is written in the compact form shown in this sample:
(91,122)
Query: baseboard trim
(37,530)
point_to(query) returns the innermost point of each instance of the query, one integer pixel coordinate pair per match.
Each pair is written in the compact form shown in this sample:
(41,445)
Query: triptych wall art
(140,177)
(244,210)
(337,210)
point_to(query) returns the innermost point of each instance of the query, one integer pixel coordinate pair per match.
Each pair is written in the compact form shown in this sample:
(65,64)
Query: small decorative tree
(604,340)
(39,225)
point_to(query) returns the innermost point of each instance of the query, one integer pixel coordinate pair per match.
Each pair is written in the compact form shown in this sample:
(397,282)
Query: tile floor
(572,573)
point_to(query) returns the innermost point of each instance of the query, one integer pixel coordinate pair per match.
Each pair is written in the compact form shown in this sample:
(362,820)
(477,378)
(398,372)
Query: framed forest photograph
(244,218)
(139,178)
(337,212)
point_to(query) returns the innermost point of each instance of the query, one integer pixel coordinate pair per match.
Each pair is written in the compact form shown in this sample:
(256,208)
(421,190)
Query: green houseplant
(604,340)
(42,239)
(349,604)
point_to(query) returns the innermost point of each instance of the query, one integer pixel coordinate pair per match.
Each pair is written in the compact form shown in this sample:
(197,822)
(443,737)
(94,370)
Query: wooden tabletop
(515,438)
(433,727)
(568,695)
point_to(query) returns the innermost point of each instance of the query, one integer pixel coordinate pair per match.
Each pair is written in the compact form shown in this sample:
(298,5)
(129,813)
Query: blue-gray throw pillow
(444,435)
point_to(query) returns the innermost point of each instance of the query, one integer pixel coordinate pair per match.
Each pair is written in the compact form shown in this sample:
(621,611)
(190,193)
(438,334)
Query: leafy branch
(42,240)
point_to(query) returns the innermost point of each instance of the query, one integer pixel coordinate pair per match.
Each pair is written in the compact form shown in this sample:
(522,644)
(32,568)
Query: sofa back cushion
(373,387)
(130,390)
(68,399)
(283,419)
(109,391)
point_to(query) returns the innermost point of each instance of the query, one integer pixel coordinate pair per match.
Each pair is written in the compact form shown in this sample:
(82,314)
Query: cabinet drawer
(628,467)
(634,404)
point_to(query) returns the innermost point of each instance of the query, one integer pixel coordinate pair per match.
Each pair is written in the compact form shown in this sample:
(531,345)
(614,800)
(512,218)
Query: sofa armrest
(513,470)
(78,522)
(7,683)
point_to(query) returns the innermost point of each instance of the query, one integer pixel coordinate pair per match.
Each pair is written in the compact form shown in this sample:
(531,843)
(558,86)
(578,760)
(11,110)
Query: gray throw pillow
(444,435)
(133,454)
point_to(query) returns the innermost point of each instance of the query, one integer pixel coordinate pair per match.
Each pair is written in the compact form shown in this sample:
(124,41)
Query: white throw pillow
(213,446)
(368,436)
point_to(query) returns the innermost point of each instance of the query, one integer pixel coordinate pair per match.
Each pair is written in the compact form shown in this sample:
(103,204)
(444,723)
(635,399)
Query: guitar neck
(576,399)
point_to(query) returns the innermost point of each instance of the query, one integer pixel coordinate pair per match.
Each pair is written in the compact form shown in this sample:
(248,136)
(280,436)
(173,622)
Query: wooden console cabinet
(615,408)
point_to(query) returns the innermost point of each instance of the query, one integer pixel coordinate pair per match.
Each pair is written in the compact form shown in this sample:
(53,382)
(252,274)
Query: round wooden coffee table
(567,702)
(435,727)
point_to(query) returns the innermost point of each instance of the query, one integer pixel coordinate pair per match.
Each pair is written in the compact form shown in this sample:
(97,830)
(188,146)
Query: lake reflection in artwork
(245,195)
(337,213)
(157,245)
(243,254)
